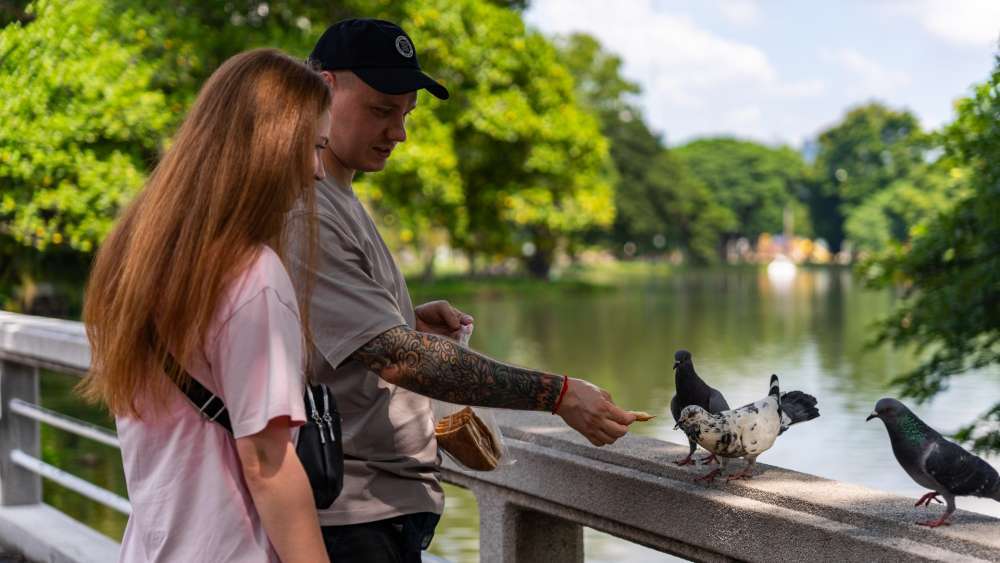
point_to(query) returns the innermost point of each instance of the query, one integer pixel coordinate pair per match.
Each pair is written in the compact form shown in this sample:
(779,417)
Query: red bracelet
(562,393)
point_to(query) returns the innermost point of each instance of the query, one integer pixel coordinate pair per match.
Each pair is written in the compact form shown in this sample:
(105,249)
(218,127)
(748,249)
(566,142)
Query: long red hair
(239,162)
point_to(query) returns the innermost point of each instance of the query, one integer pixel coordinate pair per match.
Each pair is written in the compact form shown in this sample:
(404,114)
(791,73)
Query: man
(381,357)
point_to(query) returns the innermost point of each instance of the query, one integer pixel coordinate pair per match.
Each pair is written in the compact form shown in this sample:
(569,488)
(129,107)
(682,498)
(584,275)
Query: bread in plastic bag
(469,435)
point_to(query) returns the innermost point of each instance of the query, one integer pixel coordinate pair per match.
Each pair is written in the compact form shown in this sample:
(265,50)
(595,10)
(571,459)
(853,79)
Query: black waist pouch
(319,445)
(319,448)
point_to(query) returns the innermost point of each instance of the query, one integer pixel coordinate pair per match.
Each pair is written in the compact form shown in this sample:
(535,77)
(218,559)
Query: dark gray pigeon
(933,462)
(691,390)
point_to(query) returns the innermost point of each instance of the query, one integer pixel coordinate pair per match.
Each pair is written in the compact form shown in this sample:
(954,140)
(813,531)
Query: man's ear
(330,79)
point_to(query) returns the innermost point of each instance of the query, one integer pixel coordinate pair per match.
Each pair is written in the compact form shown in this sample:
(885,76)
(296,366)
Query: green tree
(419,198)
(658,201)
(80,122)
(532,163)
(891,215)
(13,11)
(752,181)
(599,81)
(950,271)
(85,117)
(870,149)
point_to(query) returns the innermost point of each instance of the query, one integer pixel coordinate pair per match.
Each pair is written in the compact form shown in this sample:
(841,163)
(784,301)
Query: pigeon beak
(871,416)
(677,426)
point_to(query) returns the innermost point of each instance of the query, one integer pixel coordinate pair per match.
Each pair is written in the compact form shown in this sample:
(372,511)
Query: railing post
(18,485)
(509,533)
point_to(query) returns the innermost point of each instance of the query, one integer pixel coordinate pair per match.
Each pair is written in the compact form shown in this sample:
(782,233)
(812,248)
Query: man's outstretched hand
(589,410)
(586,408)
(439,317)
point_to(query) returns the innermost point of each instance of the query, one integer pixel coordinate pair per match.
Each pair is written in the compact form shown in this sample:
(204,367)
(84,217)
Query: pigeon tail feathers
(774,388)
(799,407)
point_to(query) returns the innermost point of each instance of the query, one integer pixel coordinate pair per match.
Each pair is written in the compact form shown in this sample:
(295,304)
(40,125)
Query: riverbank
(591,278)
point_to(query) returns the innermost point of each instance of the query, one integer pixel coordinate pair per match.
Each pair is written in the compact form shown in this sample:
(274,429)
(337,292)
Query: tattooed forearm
(442,369)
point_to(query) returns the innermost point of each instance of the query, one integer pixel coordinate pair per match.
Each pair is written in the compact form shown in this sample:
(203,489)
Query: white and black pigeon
(691,390)
(933,462)
(749,430)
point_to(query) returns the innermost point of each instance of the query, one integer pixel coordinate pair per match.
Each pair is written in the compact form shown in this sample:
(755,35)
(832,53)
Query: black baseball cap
(379,52)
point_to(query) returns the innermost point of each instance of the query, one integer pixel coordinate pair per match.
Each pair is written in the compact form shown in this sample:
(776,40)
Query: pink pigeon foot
(935,523)
(926,499)
(709,477)
(745,474)
(709,459)
(685,461)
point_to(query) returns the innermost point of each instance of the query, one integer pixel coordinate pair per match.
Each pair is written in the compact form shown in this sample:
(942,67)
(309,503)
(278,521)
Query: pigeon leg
(747,472)
(935,523)
(687,460)
(709,459)
(926,499)
(942,521)
(710,476)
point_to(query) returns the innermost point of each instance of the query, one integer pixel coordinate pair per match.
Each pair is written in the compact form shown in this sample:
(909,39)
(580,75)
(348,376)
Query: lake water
(740,325)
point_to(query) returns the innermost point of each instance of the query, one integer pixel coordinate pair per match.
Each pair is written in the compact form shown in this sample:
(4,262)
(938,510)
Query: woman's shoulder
(266,275)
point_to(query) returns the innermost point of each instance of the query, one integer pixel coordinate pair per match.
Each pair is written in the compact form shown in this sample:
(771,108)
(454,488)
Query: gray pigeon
(691,390)
(933,462)
(749,430)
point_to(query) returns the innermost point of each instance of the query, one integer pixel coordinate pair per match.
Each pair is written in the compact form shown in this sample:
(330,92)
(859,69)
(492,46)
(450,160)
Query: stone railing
(533,510)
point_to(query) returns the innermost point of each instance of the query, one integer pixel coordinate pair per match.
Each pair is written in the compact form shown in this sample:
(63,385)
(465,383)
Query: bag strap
(209,405)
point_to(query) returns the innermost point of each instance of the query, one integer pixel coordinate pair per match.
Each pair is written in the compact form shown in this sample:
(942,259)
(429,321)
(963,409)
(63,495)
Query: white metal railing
(64,422)
(75,426)
(71,482)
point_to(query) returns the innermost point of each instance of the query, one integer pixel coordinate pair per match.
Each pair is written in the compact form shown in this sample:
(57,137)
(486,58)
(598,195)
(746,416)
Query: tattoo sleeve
(440,368)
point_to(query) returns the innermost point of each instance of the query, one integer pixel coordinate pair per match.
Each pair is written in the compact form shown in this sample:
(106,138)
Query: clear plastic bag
(469,435)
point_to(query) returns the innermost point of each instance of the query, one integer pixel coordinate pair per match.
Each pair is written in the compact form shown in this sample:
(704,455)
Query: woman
(193,271)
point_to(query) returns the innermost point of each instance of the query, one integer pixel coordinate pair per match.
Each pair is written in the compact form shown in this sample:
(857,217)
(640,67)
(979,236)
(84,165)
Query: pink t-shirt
(185,481)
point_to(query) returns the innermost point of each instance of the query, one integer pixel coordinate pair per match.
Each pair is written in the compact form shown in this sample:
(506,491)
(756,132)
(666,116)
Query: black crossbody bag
(319,447)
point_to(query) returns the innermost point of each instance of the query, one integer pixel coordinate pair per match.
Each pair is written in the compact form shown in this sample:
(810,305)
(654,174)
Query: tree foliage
(753,182)
(81,121)
(659,202)
(531,163)
(872,147)
(91,91)
(951,268)
(892,215)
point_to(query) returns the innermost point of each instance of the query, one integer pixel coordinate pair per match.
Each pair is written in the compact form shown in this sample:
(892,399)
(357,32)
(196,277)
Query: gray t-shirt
(390,454)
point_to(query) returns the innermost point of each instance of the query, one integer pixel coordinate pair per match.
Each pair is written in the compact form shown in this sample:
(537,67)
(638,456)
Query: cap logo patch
(404,46)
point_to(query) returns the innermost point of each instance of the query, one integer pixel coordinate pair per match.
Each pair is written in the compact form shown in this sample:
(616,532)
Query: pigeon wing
(959,471)
(716,402)
(675,409)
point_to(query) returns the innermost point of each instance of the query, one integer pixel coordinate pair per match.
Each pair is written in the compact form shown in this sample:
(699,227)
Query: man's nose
(397,132)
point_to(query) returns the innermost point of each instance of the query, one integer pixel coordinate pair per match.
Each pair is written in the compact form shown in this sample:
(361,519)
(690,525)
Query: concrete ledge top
(47,341)
(634,483)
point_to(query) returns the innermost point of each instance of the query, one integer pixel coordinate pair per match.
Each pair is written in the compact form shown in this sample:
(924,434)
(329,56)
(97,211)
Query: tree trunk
(429,257)
(539,264)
